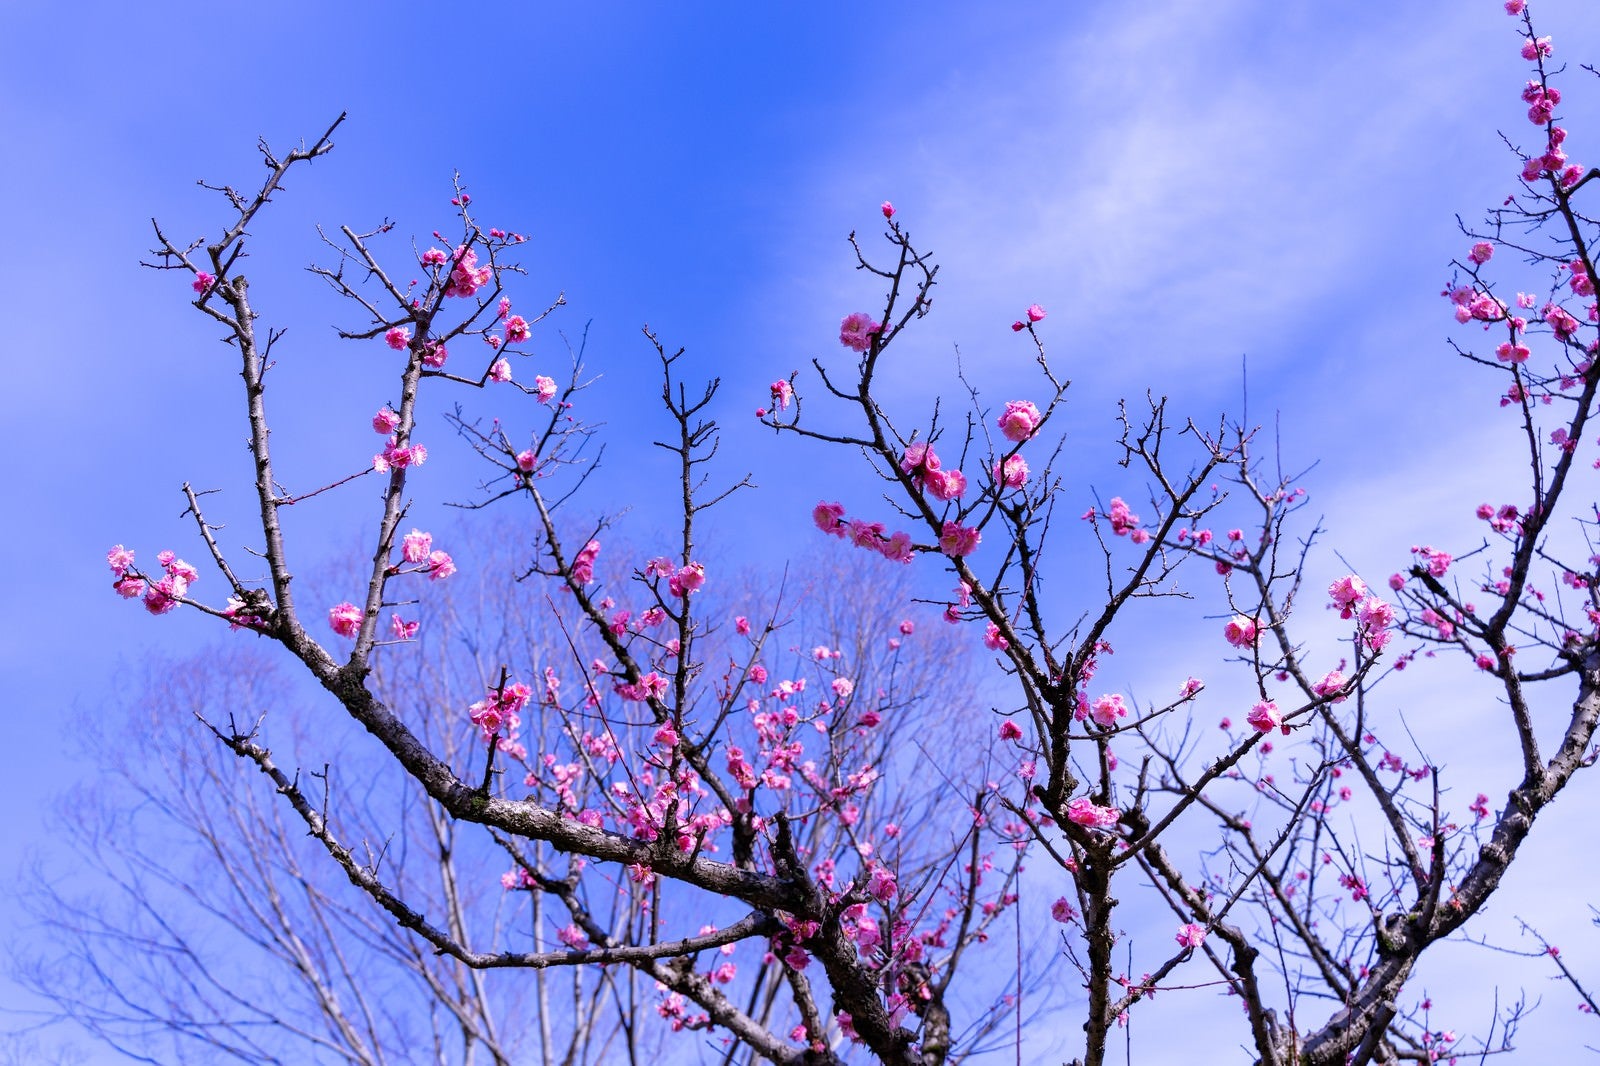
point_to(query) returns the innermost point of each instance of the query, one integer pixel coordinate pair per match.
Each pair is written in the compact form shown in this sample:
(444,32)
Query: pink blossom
(345,619)
(1331,686)
(385,421)
(120,559)
(897,549)
(1240,632)
(1433,618)
(500,371)
(396,457)
(687,579)
(956,540)
(857,330)
(1035,313)
(843,687)
(1086,812)
(1190,687)
(1533,49)
(434,354)
(435,257)
(583,563)
(993,640)
(650,686)
(1009,730)
(1191,935)
(1481,252)
(161,597)
(887,208)
(1020,420)
(1012,472)
(397,338)
(416,546)
(1347,593)
(829,517)
(1018,326)
(440,566)
(527,461)
(1437,562)
(1264,717)
(402,629)
(515,878)
(202,282)
(782,395)
(919,461)
(573,937)
(864,534)
(1376,616)
(1107,709)
(1561,323)
(1508,352)
(467,277)
(1514,7)
(1581,283)
(1123,521)
(516,329)
(946,484)
(129,587)
(1063,912)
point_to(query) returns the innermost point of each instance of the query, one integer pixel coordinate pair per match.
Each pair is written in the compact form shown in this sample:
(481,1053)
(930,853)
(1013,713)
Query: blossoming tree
(689,773)
(197,919)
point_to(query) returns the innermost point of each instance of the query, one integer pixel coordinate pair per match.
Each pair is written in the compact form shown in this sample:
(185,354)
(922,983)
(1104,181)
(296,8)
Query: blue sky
(1180,184)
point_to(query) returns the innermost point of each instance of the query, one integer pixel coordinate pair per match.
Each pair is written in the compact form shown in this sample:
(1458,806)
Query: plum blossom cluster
(1085,812)
(1475,305)
(397,456)
(1435,561)
(1504,519)
(1106,710)
(583,563)
(681,580)
(466,276)
(873,536)
(782,397)
(416,548)
(1033,314)
(499,712)
(1376,617)
(1542,101)
(1124,523)
(922,463)
(160,596)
